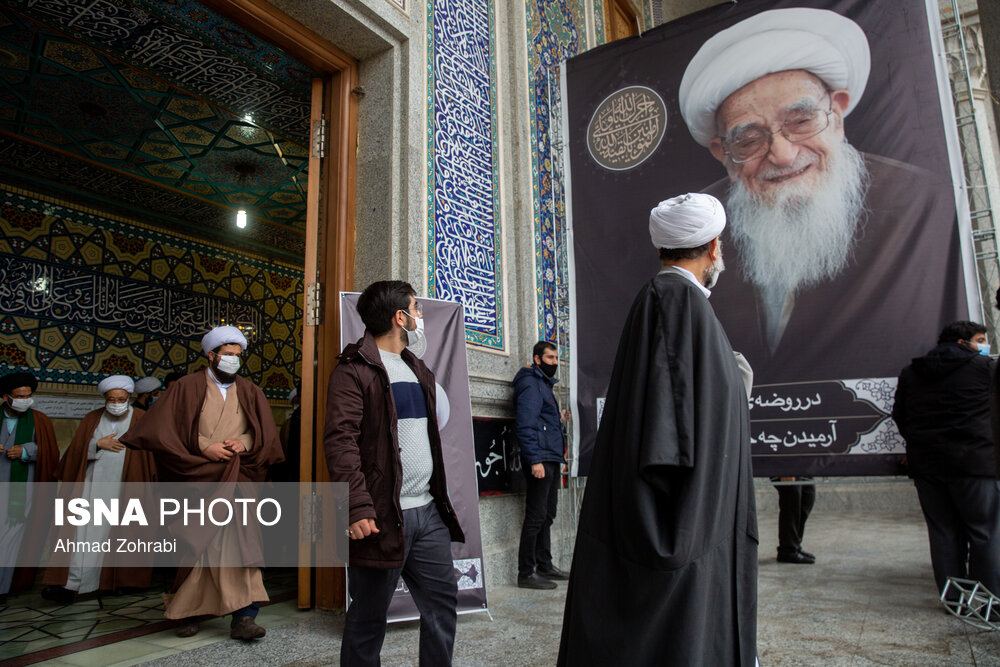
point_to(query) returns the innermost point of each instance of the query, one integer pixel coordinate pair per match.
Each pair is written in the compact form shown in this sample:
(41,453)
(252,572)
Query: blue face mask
(984,349)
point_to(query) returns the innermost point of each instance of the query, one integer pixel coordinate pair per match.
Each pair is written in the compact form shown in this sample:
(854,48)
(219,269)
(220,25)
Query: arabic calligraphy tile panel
(83,295)
(463,228)
(556,31)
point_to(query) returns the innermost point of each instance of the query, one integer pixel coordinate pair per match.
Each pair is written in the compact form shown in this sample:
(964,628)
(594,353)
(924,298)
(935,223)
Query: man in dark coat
(382,439)
(665,565)
(28,454)
(942,409)
(539,435)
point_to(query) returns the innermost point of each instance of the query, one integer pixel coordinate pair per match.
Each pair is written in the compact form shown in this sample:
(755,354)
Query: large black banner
(821,125)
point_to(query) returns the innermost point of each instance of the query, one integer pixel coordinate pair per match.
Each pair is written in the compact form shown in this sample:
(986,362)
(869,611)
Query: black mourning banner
(826,345)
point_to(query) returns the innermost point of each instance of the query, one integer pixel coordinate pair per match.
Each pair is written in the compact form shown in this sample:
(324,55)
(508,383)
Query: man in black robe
(665,564)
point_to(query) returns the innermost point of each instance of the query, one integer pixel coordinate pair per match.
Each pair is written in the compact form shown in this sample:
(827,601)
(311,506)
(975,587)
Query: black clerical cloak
(665,565)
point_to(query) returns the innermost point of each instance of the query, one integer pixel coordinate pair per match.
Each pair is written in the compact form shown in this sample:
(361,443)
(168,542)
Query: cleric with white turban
(116,382)
(675,409)
(147,385)
(687,221)
(223,335)
(824,43)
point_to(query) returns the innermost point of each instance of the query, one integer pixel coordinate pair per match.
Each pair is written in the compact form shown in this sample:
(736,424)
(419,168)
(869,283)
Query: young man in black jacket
(943,411)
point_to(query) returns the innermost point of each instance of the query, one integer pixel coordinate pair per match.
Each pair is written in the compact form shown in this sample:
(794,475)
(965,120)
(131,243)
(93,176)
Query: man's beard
(711,275)
(807,233)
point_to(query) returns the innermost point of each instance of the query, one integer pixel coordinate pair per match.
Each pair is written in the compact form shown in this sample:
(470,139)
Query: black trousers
(794,505)
(430,576)
(963,527)
(539,513)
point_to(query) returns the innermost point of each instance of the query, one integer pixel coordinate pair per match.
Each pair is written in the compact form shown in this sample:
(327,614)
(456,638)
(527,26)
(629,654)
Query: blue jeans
(429,574)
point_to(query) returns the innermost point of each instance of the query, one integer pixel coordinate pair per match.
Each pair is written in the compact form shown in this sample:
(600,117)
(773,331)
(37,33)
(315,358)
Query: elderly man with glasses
(832,247)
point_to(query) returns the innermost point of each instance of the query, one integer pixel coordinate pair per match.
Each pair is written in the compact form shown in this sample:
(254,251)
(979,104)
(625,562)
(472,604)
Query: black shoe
(795,557)
(535,581)
(246,628)
(58,594)
(806,554)
(189,628)
(554,573)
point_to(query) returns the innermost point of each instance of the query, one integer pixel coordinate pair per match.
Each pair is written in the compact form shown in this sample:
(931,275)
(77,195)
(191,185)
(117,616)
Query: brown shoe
(188,629)
(246,629)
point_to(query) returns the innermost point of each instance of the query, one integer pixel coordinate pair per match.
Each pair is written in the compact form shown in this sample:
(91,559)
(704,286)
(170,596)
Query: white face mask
(116,409)
(416,340)
(229,364)
(21,404)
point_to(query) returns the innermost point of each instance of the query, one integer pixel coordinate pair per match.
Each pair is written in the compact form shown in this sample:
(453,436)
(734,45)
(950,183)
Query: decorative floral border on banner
(84,295)
(599,21)
(556,31)
(463,226)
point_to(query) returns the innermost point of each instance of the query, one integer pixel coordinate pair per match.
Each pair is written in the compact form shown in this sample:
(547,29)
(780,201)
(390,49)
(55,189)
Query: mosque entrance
(165,168)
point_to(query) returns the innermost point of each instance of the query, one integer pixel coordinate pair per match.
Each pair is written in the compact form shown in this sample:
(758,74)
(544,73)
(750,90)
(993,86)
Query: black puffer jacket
(943,411)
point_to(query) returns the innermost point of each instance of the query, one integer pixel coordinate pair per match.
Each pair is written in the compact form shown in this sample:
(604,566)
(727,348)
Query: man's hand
(110,443)
(538,470)
(235,446)
(14,452)
(217,451)
(359,530)
(566,416)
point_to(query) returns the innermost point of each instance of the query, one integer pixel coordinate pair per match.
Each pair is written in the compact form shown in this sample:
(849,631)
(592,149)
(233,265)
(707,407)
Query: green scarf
(23,432)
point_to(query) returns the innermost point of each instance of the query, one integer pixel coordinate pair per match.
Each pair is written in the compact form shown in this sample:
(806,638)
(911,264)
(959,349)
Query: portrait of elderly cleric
(841,262)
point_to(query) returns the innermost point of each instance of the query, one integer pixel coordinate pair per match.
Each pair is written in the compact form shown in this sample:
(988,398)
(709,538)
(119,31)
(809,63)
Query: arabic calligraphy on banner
(833,417)
(66,294)
(626,128)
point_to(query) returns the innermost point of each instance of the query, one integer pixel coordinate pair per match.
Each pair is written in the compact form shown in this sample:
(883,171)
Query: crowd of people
(212,425)
(665,563)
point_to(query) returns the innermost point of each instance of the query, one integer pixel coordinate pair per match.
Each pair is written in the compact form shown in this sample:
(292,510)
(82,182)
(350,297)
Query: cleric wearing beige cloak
(214,426)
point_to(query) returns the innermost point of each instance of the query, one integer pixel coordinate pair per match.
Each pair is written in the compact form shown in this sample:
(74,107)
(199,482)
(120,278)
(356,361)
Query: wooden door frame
(329,252)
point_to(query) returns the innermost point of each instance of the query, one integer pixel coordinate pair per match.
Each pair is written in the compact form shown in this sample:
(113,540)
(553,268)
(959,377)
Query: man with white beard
(829,250)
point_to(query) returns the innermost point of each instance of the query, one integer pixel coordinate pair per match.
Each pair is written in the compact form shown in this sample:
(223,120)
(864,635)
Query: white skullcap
(115,382)
(830,46)
(687,221)
(147,384)
(292,394)
(223,336)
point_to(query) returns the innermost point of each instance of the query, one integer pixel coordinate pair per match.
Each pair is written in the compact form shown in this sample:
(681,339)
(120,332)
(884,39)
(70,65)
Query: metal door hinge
(317,142)
(313,315)
(311,523)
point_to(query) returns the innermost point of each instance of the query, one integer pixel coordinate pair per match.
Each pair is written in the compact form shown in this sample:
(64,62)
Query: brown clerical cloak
(72,470)
(170,431)
(665,565)
(45,471)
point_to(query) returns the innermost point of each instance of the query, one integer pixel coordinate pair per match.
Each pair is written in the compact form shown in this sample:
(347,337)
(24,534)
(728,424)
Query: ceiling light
(241,218)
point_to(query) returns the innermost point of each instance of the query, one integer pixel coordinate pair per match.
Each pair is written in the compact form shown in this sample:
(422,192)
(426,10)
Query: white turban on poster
(830,46)
(686,221)
(115,382)
(443,407)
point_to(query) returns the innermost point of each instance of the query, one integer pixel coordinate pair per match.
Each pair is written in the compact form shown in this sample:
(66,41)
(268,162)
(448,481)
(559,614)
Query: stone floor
(869,600)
